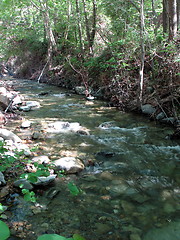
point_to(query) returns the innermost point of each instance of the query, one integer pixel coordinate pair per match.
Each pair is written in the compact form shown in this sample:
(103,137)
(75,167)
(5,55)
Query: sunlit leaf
(73,189)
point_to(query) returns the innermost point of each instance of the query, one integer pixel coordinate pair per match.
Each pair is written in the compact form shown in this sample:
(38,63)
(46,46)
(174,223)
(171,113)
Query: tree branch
(134,5)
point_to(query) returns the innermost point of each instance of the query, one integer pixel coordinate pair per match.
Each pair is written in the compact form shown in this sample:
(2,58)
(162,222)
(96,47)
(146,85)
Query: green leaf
(4,231)
(73,189)
(32,178)
(78,237)
(51,237)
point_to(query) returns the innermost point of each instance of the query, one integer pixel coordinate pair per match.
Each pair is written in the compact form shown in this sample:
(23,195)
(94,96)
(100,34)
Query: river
(131,189)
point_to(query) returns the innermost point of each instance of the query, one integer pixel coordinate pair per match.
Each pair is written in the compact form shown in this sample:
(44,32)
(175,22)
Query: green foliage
(2,209)
(33,176)
(6,160)
(4,231)
(74,190)
(78,237)
(29,196)
(58,237)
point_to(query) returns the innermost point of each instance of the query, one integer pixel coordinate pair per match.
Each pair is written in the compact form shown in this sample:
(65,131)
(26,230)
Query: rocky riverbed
(124,169)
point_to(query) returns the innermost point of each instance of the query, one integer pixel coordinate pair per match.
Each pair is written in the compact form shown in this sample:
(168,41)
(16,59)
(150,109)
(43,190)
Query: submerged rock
(25,108)
(60,126)
(169,232)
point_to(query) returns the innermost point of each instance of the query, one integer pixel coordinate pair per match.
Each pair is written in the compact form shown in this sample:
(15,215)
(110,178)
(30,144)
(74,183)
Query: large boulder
(4,98)
(8,98)
(69,164)
(8,135)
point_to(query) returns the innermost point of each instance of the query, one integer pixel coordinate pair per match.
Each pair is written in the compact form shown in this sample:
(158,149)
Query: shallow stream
(130,188)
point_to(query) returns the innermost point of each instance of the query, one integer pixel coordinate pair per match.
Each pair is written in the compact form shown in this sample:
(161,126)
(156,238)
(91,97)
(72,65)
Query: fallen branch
(39,78)
(10,104)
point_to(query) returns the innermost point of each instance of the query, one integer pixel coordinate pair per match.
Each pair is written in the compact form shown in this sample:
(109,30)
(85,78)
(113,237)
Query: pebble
(135,236)
(102,228)
(106,176)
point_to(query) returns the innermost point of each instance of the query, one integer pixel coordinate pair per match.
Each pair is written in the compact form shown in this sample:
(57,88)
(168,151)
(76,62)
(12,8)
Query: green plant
(6,159)
(29,196)
(2,209)
(74,190)
(4,230)
(58,237)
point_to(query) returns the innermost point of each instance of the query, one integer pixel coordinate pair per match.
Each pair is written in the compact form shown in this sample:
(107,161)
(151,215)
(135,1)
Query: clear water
(132,185)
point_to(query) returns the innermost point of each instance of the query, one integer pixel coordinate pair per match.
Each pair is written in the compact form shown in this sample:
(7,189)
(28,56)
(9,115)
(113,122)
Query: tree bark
(90,32)
(165,16)
(79,27)
(142,33)
(93,31)
(172,19)
(178,15)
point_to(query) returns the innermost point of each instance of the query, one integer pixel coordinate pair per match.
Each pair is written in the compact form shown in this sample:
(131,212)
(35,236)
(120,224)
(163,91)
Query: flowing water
(130,187)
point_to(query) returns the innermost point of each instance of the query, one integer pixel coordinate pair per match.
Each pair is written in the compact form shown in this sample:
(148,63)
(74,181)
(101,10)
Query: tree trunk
(178,15)
(172,19)
(68,19)
(43,8)
(93,31)
(90,33)
(79,27)
(142,33)
(165,16)
(87,25)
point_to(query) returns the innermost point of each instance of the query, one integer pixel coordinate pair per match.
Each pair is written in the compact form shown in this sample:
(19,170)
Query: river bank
(115,80)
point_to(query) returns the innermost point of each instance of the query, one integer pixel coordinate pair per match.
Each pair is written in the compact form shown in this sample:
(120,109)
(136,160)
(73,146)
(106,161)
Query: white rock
(33,104)
(8,135)
(26,124)
(69,164)
(41,159)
